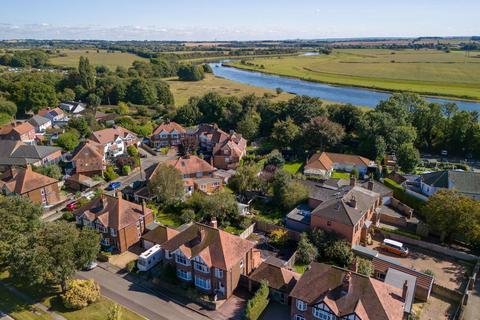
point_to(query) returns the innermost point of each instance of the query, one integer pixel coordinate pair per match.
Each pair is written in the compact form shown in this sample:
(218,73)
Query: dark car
(114,185)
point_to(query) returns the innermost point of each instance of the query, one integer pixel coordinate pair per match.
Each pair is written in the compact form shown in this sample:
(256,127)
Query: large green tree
(141,92)
(87,74)
(284,133)
(408,157)
(321,133)
(249,124)
(166,184)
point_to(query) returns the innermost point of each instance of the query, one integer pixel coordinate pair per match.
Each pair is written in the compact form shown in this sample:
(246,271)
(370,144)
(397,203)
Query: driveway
(137,298)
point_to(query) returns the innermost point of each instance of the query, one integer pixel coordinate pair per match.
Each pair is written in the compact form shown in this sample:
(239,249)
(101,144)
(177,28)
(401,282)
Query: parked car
(114,185)
(394,247)
(72,206)
(89,195)
(90,266)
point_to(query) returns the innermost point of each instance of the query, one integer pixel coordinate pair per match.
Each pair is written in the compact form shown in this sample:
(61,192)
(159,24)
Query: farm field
(109,59)
(425,71)
(183,90)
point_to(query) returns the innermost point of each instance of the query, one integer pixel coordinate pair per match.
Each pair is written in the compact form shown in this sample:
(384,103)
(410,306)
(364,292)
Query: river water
(338,94)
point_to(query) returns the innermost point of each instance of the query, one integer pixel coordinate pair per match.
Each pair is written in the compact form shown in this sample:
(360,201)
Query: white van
(149,258)
(395,247)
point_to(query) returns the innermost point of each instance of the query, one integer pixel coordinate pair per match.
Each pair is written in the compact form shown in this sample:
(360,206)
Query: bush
(126,170)
(364,267)
(429,272)
(340,253)
(258,303)
(400,194)
(188,215)
(402,233)
(131,266)
(278,237)
(102,257)
(132,151)
(110,174)
(80,293)
(68,216)
(306,251)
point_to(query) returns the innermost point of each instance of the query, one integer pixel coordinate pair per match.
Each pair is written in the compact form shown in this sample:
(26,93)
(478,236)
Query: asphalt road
(141,300)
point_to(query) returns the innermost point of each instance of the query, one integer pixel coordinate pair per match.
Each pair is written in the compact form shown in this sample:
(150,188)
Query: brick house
(121,223)
(228,149)
(89,159)
(20,131)
(323,164)
(17,153)
(38,188)
(210,258)
(168,134)
(349,213)
(328,292)
(192,168)
(41,124)
(115,140)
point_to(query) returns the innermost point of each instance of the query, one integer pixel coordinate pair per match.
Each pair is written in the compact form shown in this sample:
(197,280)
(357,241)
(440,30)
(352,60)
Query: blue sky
(236,20)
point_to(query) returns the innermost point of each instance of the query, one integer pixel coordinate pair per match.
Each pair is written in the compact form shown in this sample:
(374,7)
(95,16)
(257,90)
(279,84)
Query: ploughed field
(424,71)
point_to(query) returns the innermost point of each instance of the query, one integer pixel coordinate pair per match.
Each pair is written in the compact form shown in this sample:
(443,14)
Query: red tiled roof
(278,277)
(20,128)
(89,157)
(191,165)
(110,134)
(21,181)
(169,127)
(325,160)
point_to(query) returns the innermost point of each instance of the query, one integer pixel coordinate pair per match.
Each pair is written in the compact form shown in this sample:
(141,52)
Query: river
(338,94)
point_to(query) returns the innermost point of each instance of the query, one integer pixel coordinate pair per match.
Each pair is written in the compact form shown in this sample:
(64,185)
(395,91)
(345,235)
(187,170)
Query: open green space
(292,167)
(168,218)
(70,58)
(340,175)
(424,71)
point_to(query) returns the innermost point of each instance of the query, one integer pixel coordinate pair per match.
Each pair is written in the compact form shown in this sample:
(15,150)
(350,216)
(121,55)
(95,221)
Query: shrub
(340,253)
(68,216)
(306,251)
(188,215)
(400,194)
(402,233)
(126,170)
(132,151)
(278,237)
(258,303)
(131,266)
(110,174)
(80,293)
(102,257)
(429,272)
(364,267)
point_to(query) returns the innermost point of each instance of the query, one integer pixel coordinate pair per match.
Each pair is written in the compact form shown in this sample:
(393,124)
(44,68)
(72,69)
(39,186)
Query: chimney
(404,290)
(213,223)
(144,207)
(346,283)
(370,185)
(353,202)
(118,193)
(353,182)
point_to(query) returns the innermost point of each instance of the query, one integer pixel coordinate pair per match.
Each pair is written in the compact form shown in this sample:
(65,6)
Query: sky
(208,20)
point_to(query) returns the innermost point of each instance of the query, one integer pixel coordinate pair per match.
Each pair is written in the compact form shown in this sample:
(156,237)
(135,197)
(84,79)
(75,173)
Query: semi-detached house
(168,134)
(115,140)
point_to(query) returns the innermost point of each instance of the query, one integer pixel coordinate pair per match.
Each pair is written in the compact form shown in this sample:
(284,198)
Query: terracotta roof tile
(169,127)
(325,160)
(110,134)
(21,181)
(191,165)
(278,277)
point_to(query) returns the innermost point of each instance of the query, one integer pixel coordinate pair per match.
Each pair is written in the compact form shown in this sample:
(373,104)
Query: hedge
(258,303)
(400,194)
(402,233)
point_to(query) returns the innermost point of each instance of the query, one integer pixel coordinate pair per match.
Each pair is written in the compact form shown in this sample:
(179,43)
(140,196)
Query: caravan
(149,258)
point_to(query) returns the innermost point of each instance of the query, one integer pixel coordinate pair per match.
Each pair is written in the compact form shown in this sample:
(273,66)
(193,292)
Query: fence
(247,232)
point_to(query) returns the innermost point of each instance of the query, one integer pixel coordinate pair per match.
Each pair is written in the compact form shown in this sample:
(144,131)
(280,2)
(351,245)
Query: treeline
(25,58)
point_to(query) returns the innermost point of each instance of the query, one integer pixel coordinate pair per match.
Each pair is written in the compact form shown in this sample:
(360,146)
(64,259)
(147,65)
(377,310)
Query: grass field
(292,167)
(183,90)
(424,71)
(109,59)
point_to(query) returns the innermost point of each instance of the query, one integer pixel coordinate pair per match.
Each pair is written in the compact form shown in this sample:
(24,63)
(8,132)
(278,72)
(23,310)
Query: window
(218,273)
(202,283)
(201,267)
(299,317)
(185,275)
(322,314)
(168,255)
(182,260)
(113,232)
(302,306)
(380,275)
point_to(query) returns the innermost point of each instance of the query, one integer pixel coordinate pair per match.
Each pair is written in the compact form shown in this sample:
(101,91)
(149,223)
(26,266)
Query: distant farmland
(424,71)
(109,59)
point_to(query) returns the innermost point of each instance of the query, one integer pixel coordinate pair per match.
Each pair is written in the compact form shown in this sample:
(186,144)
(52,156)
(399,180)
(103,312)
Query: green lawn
(300,267)
(424,71)
(292,167)
(233,230)
(109,59)
(268,212)
(340,175)
(18,309)
(168,218)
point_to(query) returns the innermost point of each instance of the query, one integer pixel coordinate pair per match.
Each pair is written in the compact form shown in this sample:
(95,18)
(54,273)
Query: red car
(72,206)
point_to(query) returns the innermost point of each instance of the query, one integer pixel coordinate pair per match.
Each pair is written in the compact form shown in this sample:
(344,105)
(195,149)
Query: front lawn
(17,308)
(340,175)
(292,167)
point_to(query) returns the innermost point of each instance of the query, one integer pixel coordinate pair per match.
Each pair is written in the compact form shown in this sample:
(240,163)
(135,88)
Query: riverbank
(430,73)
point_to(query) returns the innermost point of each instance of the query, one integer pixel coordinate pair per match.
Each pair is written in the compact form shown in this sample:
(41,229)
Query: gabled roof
(216,247)
(347,208)
(462,181)
(20,128)
(38,121)
(34,151)
(367,297)
(52,112)
(88,156)
(190,165)
(14,152)
(233,142)
(325,160)
(110,134)
(112,212)
(21,180)
(169,127)
(278,277)
(160,234)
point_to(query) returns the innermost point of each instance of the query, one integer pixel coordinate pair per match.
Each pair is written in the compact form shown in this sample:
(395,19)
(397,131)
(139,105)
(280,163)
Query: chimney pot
(119,194)
(214,223)
(144,207)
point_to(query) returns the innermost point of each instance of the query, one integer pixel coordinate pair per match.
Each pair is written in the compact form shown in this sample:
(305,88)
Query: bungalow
(211,259)
(168,134)
(89,159)
(41,124)
(323,164)
(20,131)
(329,292)
(115,140)
(121,223)
(465,182)
(38,188)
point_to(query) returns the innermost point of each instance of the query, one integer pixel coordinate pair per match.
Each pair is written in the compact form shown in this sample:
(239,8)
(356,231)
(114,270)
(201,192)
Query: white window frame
(181,259)
(203,283)
(185,275)
(113,232)
(168,255)
(219,273)
(299,317)
(302,306)
(201,267)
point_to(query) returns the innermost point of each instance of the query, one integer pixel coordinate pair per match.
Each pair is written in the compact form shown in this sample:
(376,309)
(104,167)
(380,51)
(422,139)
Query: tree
(321,133)
(87,247)
(287,193)
(87,74)
(275,158)
(408,157)
(141,92)
(69,140)
(93,100)
(244,180)
(189,72)
(284,133)
(110,174)
(67,95)
(80,293)
(346,115)
(123,108)
(365,267)
(166,184)
(81,125)
(302,109)
(164,95)
(249,124)
(126,170)
(354,173)
(8,107)
(50,170)
(306,251)
(188,215)
(452,213)
(33,95)
(188,114)
(340,253)
(132,151)
(221,205)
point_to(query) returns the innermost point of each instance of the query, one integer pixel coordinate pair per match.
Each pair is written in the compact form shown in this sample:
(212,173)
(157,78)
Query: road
(141,300)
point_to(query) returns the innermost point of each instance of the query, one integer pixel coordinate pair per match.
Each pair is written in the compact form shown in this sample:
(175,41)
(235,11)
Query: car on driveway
(89,195)
(90,266)
(114,185)
(72,206)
